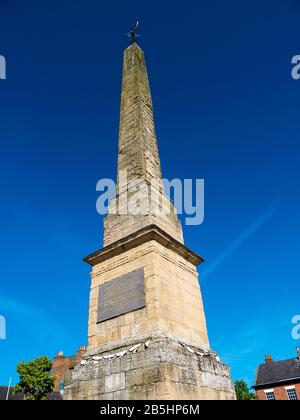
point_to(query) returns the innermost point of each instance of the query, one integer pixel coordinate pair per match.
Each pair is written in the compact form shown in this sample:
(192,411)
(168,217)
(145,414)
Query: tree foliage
(35,378)
(243,392)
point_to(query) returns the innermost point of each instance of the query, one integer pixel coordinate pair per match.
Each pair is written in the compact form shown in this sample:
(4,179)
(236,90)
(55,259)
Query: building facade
(61,365)
(278,380)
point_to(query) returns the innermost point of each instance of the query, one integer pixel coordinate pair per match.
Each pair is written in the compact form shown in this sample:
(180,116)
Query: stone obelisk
(147,335)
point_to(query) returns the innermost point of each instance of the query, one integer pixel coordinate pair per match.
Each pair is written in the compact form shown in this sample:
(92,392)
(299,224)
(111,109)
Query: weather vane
(132,34)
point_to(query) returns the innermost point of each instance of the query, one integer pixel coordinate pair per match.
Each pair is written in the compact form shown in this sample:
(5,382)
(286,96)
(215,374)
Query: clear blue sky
(227,110)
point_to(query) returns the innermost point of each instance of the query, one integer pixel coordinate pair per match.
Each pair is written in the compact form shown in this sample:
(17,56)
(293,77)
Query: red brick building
(278,380)
(62,364)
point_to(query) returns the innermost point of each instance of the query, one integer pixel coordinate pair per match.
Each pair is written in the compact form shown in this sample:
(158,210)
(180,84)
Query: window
(270,396)
(291,393)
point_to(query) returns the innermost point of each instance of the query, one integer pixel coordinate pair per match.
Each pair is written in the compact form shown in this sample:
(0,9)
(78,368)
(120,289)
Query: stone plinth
(163,368)
(173,302)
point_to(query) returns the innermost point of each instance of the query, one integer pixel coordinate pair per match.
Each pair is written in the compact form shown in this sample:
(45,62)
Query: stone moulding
(144,345)
(149,233)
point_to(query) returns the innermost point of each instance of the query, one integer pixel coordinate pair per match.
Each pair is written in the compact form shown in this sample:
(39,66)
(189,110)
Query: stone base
(159,368)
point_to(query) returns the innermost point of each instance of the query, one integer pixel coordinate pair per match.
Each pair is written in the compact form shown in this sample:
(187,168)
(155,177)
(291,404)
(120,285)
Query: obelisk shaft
(138,150)
(138,159)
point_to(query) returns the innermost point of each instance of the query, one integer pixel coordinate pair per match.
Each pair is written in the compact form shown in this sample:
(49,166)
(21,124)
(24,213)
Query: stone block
(115,382)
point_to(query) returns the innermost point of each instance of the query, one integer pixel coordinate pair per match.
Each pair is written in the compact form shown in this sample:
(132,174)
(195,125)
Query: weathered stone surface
(173,313)
(115,382)
(168,371)
(138,156)
(172,296)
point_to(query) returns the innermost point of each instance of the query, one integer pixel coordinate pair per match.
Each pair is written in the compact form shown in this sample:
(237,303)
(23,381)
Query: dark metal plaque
(121,295)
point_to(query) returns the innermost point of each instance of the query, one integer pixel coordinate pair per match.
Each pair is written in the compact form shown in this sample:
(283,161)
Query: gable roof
(275,372)
(20,396)
(3,394)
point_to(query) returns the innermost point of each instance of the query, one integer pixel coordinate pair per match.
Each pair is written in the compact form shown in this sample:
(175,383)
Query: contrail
(240,240)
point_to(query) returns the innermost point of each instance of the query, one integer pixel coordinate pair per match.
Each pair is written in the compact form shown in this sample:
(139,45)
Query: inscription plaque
(121,295)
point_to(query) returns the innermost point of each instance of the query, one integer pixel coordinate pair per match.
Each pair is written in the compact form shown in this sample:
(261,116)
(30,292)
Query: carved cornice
(149,233)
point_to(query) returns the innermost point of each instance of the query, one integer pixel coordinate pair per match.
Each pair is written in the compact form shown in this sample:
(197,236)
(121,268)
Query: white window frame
(289,388)
(269,391)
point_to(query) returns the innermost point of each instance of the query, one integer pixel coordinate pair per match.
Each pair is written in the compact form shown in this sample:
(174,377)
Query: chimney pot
(81,350)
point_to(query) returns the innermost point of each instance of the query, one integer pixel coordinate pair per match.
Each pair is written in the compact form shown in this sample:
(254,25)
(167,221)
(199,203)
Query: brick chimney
(268,358)
(298,353)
